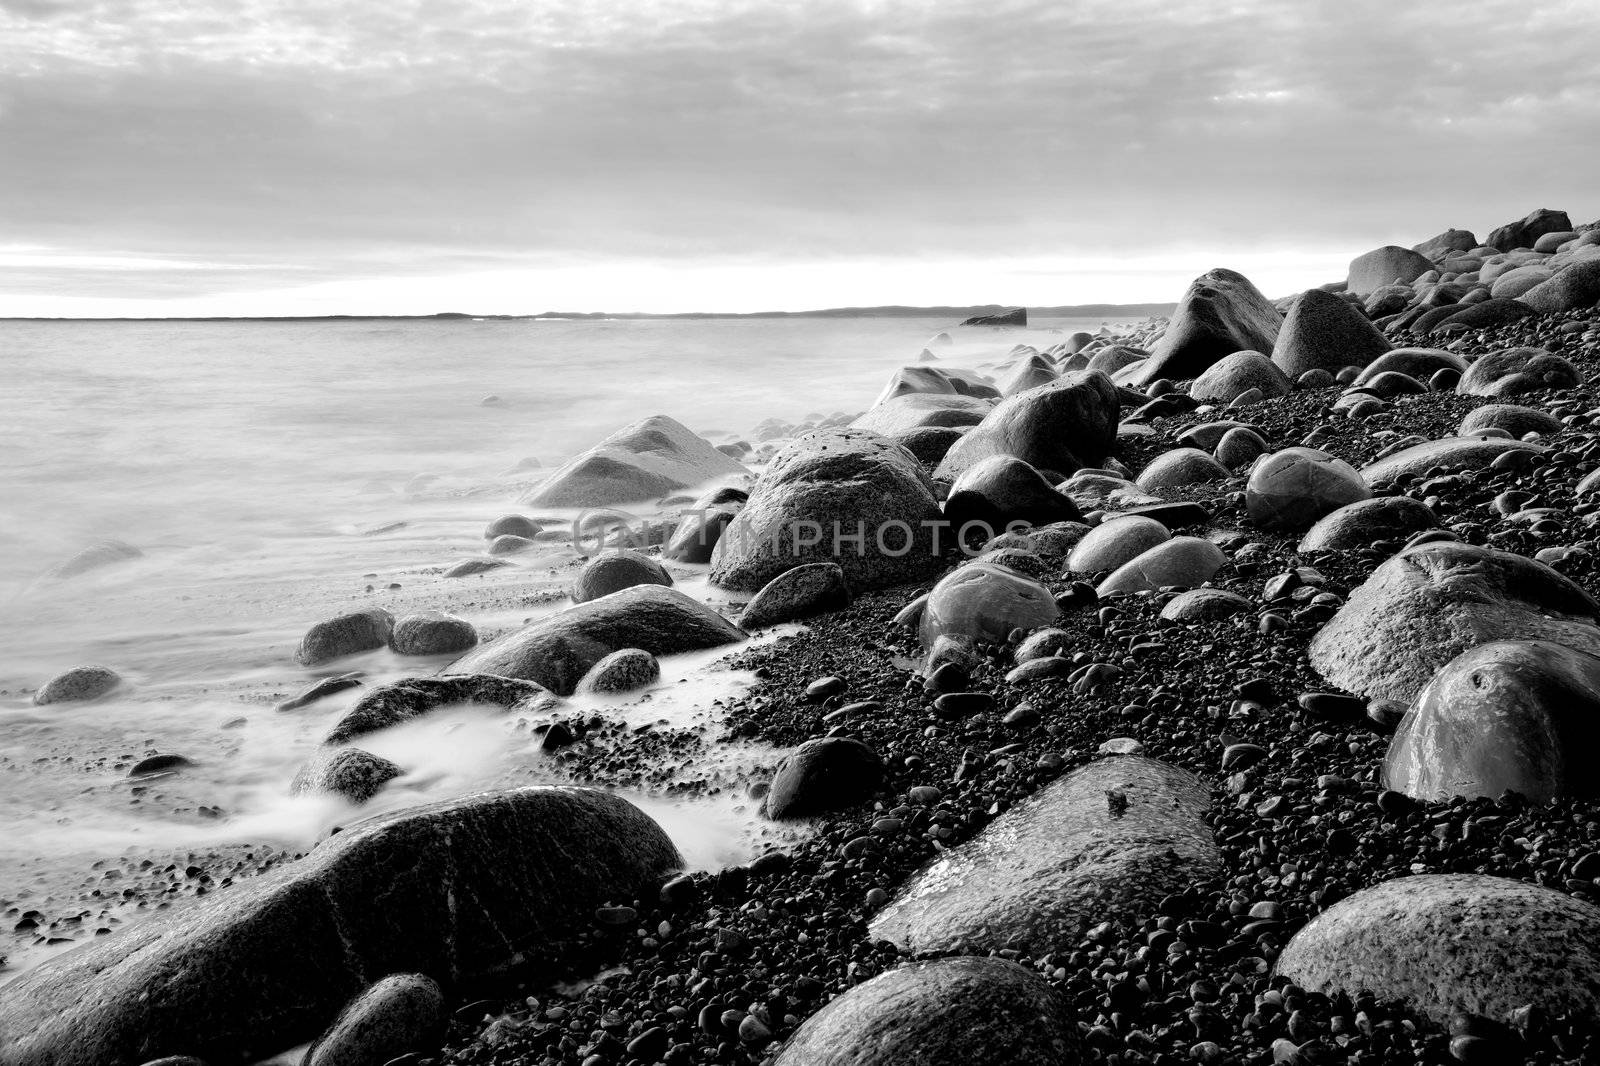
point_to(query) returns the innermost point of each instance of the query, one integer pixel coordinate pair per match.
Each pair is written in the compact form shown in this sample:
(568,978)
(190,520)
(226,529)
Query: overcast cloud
(171,155)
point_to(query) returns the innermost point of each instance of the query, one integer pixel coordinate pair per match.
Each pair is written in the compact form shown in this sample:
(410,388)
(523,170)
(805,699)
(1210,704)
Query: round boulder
(627,670)
(614,571)
(1182,561)
(1114,542)
(349,772)
(1515,420)
(401,1014)
(345,635)
(1229,378)
(984,602)
(1003,489)
(822,775)
(814,588)
(432,633)
(1360,524)
(1179,468)
(1292,488)
(78,684)
(513,525)
(1516,371)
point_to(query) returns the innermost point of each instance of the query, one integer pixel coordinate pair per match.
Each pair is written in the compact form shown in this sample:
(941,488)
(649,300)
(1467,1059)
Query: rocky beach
(1213,688)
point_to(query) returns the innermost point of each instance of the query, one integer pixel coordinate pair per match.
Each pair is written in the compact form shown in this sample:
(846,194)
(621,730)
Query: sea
(273,474)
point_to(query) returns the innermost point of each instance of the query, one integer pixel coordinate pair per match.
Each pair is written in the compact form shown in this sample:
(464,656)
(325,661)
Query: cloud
(366,140)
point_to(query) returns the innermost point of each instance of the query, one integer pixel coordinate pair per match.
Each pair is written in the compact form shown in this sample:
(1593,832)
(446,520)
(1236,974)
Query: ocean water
(275,474)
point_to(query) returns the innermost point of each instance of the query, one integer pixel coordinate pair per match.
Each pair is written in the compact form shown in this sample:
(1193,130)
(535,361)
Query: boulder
(1451,240)
(983,602)
(1515,371)
(700,527)
(511,544)
(1029,373)
(412,697)
(614,571)
(1323,332)
(1063,426)
(432,633)
(1385,266)
(1239,447)
(814,588)
(915,380)
(1487,314)
(1573,289)
(347,634)
(1003,489)
(1526,232)
(470,567)
(458,891)
(1180,468)
(1232,376)
(628,670)
(944,1012)
(78,684)
(401,1014)
(1419,363)
(643,461)
(1517,715)
(1447,944)
(1221,313)
(1016,316)
(844,496)
(1292,488)
(1114,542)
(1114,358)
(921,410)
(1365,522)
(1204,605)
(349,772)
(513,525)
(929,444)
(1426,605)
(1106,842)
(1182,561)
(1515,420)
(1451,453)
(822,775)
(558,650)
(1514,283)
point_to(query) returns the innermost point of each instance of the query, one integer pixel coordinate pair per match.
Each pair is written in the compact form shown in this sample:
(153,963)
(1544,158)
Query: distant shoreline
(887,311)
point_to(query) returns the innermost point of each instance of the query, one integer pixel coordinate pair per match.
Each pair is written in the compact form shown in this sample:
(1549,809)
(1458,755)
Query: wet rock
(1323,332)
(628,670)
(1487,314)
(1239,447)
(1451,453)
(945,1012)
(513,525)
(1063,426)
(1003,489)
(1292,488)
(1519,715)
(1516,371)
(106,553)
(1451,943)
(458,890)
(1573,289)
(411,697)
(1221,313)
(1515,420)
(1108,841)
(509,544)
(349,772)
(929,444)
(1115,542)
(1231,376)
(558,650)
(814,588)
(921,410)
(1385,266)
(915,380)
(1182,561)
(1016,316)
(345,635)
(432,633)
(1361,524)
(1419,363)
(844,496)
(643,461)
(614,571)
(695,536)
(321,690)
(1029,373)
(984,602)
(1204,605)
(401,1014)
(1429,603)
(78,684)
(822,775)
(1180,468)
(159,764)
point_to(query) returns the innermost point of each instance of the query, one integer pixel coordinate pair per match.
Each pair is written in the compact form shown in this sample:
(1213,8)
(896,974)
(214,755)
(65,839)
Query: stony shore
(1114,820)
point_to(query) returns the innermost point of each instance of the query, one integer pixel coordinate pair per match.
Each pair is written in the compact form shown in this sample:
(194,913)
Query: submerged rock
(643,461)
(349,772)
(457,890)
(106,553)
(628,670)
(78,684)
(432,633)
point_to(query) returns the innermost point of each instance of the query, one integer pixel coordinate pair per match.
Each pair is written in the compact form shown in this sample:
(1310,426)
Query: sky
(178,157)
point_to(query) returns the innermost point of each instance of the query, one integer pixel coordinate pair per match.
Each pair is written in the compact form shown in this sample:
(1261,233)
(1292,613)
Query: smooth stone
(1292,488)
(944,1012)
(401,1014)
(510,544)
(1002,489)
(929,445)
(1180,468)
(558,650)
(1046,643)
(1373,270)
(1429,603)
(1220,313)
(1451,453)
(1514,420)
(822,775)
(1512,715)
(106,553)
(628,670)
(698,529)
(1515,371)
(817,491)
(1361,524)
(78,684)
(1392,383)
(1239,447)
(1029,373)
(1451,240)
(1174,514)
(1484,314)
(411,697)
(1207,435)
(984,602)
(432,634)
(1420,363)
(1204,605)
(320,690)
(349,772)
(1115,357)
(1063,426)
(1230,377)
(1115,542)
(1108,841)
(469,567)
(1525,232)
(458,890)
(1572,289)
(615,570)
(1323,331)
(1181,561)
(815,588)
(642,461)
(922,410)
(159,764)
(347,634)
(1454,943)
(514,525)
(915,380)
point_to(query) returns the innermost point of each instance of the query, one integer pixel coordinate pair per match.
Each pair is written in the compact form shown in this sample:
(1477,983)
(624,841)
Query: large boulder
(915,380)
(944,1012)
(643,461)
(347,634)
(412,697)
(922,410)
(1003,489)
(432,633)
(1063,426)
(1324,332)
(1291,489)
(1573,289)
(1519,715)
(1232,376)
(457,891)
(1451,240)
(1454,943)
(1029,373)
(1448,453)
(78,684)
(1182,562)
(558,650)
(1486,314)
(1114,542)
(1107,841)
(1526,232)
(1426,605)
(1388,265)
(845,496)
(1016,316)
(1515,371)
(1365,522)
(1221,313)
(984,602)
